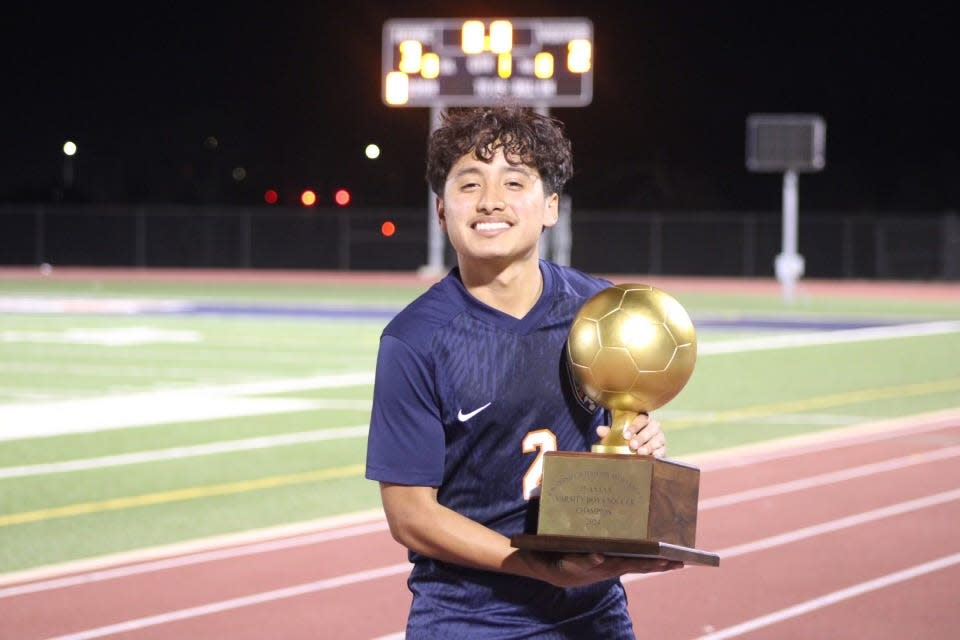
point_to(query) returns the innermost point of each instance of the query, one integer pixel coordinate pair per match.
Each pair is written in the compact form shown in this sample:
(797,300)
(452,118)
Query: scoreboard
(450,62)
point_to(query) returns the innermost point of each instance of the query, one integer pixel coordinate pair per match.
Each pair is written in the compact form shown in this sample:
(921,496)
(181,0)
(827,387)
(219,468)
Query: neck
(513,290)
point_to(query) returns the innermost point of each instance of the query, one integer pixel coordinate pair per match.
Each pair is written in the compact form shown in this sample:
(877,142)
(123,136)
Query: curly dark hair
(538,141)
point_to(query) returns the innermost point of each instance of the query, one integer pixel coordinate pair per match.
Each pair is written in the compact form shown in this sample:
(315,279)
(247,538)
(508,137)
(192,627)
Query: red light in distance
(270,196)
(388,228)
(342,197)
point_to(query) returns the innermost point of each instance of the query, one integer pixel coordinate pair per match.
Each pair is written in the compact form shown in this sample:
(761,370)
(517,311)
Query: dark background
(291,93)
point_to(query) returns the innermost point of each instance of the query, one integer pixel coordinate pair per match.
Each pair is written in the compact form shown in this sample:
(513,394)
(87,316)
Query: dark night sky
(291,92)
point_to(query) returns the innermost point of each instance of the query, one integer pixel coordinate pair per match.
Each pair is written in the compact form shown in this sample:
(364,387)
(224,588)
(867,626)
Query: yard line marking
(840,336)
(178,453)
(213,555)
(365,576)
(190,493)
(833,598)
(34,419)
(298,478)
(21,421)
(104,337)
(26,420)
(236,603)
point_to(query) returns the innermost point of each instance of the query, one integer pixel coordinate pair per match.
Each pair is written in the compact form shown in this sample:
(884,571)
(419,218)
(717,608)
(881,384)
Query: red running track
(845,537)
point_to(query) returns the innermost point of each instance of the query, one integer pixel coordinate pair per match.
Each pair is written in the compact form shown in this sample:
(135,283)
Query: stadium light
(308,197)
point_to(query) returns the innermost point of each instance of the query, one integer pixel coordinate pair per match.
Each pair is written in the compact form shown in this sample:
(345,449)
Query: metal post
(435,238)
(40,236)
(246,239)
(140,237)
(789,265)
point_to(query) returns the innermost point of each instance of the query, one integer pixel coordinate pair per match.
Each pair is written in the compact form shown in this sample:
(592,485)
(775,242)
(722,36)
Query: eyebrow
(521,169)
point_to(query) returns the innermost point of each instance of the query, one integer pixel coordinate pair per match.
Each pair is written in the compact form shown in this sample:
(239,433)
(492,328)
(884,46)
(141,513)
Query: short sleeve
(406,441)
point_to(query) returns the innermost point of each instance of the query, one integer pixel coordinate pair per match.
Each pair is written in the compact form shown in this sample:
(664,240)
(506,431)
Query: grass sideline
(280,401)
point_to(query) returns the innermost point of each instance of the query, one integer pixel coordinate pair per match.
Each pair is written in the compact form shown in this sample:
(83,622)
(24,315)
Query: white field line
(830,337)
(363,576)
(104,337)
(230,446)
(29,420)
(177,453)
(380,525)
(833,598)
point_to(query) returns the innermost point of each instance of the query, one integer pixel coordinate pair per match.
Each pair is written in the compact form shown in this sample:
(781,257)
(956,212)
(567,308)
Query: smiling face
(494,212)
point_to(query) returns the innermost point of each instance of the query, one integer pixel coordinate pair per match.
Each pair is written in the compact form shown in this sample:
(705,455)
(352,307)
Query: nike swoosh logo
(463,417)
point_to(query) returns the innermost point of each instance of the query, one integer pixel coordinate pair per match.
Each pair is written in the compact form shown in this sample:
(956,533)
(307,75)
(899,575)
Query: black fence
(908,246)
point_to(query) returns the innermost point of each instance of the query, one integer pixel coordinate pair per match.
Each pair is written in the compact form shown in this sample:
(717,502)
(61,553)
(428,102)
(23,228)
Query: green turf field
(121,430)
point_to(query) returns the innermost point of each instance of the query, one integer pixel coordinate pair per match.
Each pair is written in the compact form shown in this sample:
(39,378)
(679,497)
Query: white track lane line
(194,558)
(390,570)
(832,477)
(236,603)
(833,598)
(830,526)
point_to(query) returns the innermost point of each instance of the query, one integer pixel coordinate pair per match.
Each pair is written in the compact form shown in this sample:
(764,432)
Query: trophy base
(614,547)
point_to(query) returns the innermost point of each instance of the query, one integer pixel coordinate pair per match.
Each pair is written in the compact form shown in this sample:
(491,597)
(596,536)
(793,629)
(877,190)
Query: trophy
(631,348)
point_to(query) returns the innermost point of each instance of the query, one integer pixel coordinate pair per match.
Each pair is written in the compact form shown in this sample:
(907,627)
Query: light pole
(69,150)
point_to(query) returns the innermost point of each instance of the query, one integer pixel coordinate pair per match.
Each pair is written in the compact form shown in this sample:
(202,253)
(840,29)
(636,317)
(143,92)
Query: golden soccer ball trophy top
(632,347)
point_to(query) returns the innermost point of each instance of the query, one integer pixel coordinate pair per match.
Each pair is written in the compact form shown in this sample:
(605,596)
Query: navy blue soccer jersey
(467,399)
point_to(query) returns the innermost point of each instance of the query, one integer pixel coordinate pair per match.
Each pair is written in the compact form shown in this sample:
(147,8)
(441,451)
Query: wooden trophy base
(616,504)
(614,547)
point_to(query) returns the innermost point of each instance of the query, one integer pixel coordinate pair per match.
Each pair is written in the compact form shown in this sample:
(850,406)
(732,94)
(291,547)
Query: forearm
(424,526)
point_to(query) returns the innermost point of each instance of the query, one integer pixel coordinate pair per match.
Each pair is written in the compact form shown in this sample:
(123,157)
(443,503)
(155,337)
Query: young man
(472,388)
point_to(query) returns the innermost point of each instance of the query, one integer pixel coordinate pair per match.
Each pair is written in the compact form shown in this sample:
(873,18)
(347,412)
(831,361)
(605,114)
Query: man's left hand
(644,436)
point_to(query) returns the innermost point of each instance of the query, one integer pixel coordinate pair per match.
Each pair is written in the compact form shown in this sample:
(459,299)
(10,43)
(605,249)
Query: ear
(551,212)
(441,215)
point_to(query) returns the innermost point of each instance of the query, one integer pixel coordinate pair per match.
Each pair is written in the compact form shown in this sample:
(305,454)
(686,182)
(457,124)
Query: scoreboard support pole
(436,241)
(789,264)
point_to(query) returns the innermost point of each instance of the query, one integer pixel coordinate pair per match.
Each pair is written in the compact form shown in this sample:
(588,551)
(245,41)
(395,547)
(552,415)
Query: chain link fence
(835,245)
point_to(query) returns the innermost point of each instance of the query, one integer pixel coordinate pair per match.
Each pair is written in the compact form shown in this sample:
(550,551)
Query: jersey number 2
(541,441)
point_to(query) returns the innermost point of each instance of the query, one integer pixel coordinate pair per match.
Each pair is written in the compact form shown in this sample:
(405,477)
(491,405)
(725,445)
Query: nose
(491,199)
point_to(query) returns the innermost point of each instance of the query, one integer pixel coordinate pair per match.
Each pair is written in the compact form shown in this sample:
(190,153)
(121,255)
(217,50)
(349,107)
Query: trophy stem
(614,442)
